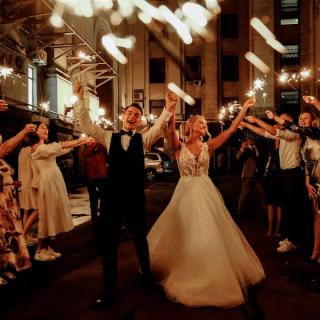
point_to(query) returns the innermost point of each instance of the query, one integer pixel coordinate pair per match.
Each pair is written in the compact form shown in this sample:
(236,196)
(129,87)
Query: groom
(126,173)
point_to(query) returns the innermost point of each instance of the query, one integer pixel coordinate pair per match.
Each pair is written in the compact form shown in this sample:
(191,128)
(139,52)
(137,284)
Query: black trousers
(294,196)
(96,189)
(132,210)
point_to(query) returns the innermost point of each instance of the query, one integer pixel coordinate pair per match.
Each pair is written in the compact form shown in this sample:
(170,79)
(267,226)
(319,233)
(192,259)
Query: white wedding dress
(198,254)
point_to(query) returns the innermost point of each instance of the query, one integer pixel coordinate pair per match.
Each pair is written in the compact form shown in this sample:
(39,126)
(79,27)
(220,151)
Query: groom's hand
(171,101)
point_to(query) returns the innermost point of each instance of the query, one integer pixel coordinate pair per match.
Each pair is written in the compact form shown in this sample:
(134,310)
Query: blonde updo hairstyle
(190,123)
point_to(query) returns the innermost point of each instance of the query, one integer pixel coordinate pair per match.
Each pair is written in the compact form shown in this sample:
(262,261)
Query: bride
(198,254)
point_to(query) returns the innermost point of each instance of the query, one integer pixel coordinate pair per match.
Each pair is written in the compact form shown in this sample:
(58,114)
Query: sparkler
(286,77)
(6,72)
(229,112)
(45,105)
(258,85)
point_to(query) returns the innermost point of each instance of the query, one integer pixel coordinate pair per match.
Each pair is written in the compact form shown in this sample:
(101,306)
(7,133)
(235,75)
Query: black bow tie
(123,132)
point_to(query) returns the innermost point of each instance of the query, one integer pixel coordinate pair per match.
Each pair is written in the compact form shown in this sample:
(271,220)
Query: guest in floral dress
(13,250)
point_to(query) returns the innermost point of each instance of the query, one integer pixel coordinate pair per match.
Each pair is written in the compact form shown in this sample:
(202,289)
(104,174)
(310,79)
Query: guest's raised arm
(312,100)
(9,145)
(311,132)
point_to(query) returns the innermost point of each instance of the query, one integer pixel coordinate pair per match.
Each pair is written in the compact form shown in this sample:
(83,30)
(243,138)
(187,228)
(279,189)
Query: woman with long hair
(53,204)
(198,254)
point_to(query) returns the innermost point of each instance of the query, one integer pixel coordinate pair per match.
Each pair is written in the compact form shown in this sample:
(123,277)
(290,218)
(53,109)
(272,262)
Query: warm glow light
(181,28)
(278,46)
(198,14)
(261,29)
(110,46)
(180,93)
(56,21)
(257,62)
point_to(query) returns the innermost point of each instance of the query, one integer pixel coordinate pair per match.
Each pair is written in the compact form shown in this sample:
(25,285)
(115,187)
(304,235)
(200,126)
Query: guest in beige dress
(53,205)
(28,196)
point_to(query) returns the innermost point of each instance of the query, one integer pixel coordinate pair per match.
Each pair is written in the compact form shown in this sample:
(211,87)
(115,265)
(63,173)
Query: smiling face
(131,118)
(197,125)
(305,119)
(42,132)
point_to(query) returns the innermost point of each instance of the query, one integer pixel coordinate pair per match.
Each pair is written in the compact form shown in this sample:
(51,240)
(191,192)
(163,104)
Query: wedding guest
(311,156)
(13,250)
(250,176)
(28,196)
(291,176)
(53,204)
(95,159)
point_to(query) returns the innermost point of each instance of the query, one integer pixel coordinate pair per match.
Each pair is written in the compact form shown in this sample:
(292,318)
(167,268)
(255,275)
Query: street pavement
(65,289)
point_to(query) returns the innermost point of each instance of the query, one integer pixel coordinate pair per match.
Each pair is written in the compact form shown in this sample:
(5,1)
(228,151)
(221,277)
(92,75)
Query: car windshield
(165,157)
(151,156)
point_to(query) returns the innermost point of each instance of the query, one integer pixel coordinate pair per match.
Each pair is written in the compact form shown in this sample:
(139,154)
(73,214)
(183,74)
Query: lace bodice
(189,165)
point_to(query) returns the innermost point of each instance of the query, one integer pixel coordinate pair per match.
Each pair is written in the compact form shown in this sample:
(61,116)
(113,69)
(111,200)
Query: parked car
(158,164)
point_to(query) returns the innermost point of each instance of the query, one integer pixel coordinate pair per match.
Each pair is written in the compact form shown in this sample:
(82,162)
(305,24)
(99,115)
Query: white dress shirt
(289,149)
(104,136)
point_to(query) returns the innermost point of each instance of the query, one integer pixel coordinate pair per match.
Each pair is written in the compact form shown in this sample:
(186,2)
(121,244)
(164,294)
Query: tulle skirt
(198,254)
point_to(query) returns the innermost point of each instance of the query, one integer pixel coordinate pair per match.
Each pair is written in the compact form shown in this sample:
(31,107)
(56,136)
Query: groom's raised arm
(82,113)
(157,130)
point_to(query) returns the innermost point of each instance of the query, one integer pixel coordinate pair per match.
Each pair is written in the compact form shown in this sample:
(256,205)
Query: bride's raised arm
(219,140)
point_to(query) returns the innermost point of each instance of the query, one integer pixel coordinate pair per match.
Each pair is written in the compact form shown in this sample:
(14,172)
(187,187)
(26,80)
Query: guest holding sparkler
(250,175)
(291,176)
(53,204)
(13,250)
(311,156)
(271,181)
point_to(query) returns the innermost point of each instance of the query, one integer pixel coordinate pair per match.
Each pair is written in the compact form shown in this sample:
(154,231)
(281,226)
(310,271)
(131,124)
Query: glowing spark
(6,72)
(86,57)
(45,105)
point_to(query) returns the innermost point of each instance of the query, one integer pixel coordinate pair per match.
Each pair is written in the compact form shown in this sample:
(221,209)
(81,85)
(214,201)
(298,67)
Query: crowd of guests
(42,198)
(292,173)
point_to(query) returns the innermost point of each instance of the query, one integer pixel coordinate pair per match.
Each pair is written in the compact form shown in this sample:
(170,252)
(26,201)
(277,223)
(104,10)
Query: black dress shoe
(104,300)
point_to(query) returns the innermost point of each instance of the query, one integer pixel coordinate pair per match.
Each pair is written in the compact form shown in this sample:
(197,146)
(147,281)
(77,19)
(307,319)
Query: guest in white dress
(198,254)
(53,205)
(28,196)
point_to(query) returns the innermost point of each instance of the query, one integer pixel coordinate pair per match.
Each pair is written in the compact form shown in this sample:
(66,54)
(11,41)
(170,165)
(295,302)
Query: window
(157,70)
(156,107)
(292,58)
(229,25)
(289,12)
(193,110)
(230,68)
(290,102)
(193,70)
(32,87)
